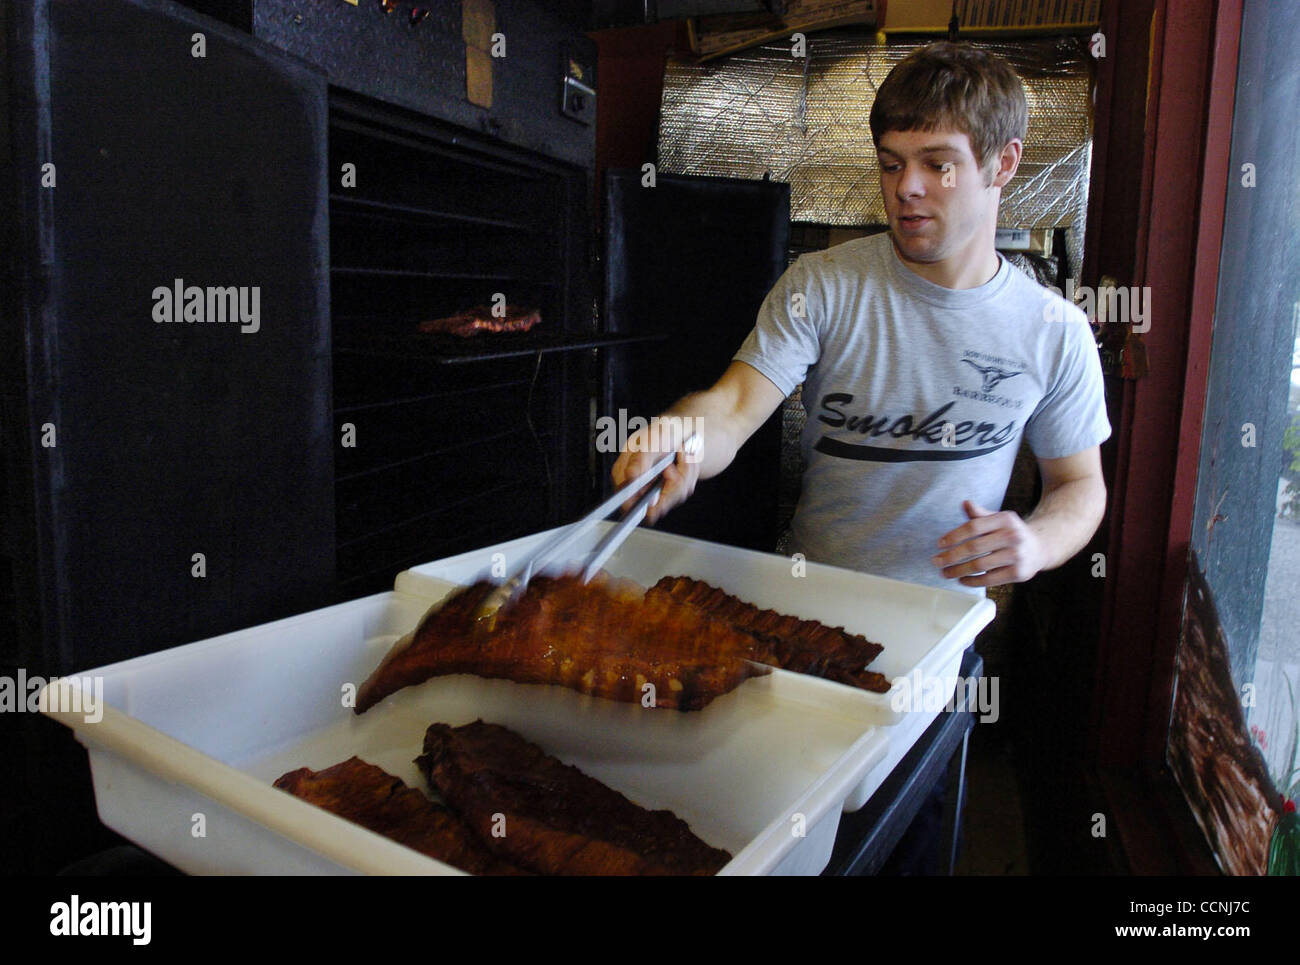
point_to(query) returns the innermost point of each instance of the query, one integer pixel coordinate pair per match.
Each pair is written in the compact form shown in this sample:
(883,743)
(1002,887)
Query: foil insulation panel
(804,120)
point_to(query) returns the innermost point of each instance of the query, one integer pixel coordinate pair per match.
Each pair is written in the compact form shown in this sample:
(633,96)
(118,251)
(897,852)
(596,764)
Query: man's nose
(910,183)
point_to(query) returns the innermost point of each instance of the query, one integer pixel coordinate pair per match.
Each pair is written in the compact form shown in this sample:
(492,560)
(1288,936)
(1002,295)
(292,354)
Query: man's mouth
(912,220)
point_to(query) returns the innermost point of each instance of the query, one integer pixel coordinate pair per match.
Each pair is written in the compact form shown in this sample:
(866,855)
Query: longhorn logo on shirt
(992,374)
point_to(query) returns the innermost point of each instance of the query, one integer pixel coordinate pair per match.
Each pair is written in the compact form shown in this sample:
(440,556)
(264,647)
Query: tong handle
(570,534)
(515,585)
(614,538)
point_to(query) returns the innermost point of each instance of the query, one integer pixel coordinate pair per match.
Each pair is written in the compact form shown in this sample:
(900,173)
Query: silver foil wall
(805,120)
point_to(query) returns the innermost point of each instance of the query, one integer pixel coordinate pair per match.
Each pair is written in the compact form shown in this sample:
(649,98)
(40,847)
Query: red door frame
(1184,169)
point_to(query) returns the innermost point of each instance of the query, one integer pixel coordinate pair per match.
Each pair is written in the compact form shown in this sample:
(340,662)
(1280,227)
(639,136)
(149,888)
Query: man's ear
(1006,163)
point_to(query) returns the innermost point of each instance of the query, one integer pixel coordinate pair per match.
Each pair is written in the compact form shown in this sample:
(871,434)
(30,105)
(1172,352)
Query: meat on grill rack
(480,319)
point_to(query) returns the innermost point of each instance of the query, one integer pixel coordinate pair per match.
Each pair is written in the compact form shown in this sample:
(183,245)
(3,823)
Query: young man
(925,357)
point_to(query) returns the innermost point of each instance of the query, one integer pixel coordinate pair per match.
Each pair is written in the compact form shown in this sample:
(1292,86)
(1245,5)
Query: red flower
(1288,807)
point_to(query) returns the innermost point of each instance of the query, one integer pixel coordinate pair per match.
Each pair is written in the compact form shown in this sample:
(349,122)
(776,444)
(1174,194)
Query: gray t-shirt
(917,398)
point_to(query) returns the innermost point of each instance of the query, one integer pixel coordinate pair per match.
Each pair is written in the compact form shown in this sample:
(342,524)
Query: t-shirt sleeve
(1072,416)
(784,342)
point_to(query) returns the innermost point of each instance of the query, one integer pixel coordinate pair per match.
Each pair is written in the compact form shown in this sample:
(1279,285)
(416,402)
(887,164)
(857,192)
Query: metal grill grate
(448,443)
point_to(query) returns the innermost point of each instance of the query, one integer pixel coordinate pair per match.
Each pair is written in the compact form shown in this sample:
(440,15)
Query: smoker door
(172,479)
(693,258)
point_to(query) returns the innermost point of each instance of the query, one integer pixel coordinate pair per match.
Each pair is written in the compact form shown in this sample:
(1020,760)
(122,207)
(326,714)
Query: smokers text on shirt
(936,429)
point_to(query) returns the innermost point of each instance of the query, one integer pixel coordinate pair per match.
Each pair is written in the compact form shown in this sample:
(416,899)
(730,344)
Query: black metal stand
(868,837)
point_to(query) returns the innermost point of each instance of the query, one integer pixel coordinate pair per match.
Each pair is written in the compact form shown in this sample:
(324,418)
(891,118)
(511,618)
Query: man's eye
(940,165)
(889,168)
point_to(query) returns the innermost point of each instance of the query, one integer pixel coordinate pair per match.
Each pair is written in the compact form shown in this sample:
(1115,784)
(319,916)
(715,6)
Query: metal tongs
(513,587)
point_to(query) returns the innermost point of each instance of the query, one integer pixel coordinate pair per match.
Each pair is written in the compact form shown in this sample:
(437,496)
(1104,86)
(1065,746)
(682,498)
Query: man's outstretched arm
(1001,547)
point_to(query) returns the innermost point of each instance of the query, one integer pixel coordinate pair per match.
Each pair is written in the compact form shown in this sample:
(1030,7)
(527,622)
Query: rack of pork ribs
(804,646)
(609,638)
(481,318)
(371,797)
(513,809)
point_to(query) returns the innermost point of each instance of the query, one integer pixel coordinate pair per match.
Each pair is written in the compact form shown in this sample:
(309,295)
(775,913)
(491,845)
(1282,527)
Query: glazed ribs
(804,646)
(602,638)
(551,818)
(480,319)
(371,797)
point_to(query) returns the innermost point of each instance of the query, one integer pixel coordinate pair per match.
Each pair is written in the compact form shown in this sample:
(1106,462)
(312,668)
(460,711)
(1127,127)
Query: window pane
(1240,650)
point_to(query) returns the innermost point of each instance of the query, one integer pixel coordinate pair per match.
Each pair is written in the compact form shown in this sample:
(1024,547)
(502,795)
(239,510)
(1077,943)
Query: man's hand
(679,479)
(993,548)
(723,417)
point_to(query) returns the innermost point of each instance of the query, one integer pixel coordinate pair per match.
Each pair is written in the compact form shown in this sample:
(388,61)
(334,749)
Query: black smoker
(168,479)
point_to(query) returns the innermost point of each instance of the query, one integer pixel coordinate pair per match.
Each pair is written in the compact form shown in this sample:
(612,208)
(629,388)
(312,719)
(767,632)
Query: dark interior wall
(1056,617)
(1120,155)
(693,258)
(723,243)
(237,13)
(631,66)
(1114,201)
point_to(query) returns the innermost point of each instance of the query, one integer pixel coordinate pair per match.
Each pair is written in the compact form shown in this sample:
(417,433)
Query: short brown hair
(957,86)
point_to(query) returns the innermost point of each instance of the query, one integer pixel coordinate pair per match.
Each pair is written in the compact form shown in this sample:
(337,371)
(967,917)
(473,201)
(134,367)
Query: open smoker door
(693,258)
(175,465)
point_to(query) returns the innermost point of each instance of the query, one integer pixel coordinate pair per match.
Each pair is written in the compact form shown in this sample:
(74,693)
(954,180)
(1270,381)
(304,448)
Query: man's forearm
(1066,518)
(710,418)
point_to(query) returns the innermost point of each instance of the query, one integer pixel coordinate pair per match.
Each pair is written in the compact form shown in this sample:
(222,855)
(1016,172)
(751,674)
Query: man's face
(937,198)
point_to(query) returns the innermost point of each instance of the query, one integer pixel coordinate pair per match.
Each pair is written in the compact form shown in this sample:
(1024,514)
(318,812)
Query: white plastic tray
(191,738)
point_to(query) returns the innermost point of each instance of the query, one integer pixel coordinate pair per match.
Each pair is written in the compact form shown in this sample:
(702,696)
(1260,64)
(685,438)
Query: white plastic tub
(191,738)
(924,630)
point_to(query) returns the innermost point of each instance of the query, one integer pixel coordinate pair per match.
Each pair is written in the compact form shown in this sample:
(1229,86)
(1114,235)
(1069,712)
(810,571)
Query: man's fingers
(659,505)
(982,564)
(623,468)
(673,486)
(977,546)
(679,483)
(995,577)
(976,527)
(678,478)
(626,468)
